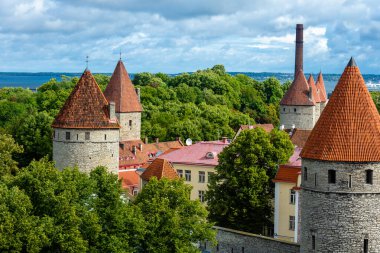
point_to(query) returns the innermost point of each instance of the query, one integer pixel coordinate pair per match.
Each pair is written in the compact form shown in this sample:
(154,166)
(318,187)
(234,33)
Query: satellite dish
(189,142)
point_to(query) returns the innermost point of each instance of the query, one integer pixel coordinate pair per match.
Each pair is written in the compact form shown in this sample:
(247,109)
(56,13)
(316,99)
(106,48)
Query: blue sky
(185,35)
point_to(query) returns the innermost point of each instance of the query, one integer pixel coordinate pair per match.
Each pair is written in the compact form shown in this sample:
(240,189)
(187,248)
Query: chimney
(134,149)
(140,146)
(299,49)
(224,139)
(138,93)
(112,111)
(146,140)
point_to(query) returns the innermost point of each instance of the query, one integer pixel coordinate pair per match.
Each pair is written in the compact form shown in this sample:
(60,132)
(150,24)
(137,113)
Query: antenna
(189,142)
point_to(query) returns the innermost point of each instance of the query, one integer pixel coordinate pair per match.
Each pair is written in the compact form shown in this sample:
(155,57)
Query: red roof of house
(298,92)
(129,179)
(128,159)
(266,127)
(203,153)
(121,91)
(287,174)
(311,83)
(321,88)
(86,107)
(159,168)
(349,126)
(299,136)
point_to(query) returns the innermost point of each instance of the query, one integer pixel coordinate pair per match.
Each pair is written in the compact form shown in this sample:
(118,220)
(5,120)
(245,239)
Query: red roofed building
(86,130)
(130,181)
(266,127)
(196,163)
(159,168)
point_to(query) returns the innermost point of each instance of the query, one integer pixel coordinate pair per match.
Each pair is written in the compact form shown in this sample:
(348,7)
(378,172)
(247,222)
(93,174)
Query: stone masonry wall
(101,149)
(230,240)
(303,117)
(127,132)
(340,217)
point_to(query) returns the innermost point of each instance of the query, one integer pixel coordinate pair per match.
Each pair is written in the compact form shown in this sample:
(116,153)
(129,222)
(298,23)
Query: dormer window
(210,155)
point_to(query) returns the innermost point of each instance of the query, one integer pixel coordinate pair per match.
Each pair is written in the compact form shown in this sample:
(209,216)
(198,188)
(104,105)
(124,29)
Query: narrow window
(217,247)
(54,134)
(130,123)
(305,174)
(67,135)
(188,175)
(180,173)
(77,136)
(349,181)
(313,242)
(209,175)
(369,176)
(295,110)
(315,179)
(87,136)
(292,197)
(365,246)
(202,176)
(105,137)
(332,176)
(283,109)
(201,195)
(292,223)
(242,249)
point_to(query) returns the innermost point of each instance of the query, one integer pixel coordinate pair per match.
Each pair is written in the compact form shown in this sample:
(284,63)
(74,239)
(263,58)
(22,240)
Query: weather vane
(120,54)
(87,62)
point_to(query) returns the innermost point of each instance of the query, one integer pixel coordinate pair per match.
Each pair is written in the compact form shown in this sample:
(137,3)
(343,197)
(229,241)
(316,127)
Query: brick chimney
(299,49)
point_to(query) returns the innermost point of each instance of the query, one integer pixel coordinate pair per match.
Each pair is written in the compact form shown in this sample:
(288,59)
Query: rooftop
(320,84)
(159,168)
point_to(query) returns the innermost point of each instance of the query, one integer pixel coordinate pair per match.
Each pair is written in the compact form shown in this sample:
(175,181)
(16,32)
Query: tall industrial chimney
(299,49)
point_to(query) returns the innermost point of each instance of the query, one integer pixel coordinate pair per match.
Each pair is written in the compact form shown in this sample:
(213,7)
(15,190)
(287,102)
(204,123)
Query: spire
(321,88)
(86,107)
(348,129)
(298,92)
(121,91)
(315,94)
(352,63)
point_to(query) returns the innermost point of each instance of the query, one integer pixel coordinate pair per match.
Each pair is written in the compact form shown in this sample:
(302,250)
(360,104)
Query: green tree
(174,222)
(240,193)
(8,148)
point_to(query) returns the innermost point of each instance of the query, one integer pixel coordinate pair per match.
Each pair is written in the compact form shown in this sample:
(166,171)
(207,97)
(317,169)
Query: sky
(174,36)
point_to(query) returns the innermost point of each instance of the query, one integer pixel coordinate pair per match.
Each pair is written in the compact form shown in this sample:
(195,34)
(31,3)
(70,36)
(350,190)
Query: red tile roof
(287,174)
(311,83)
(349,127)
(86,107)
(299,136)
(159,168)
(321,88)
(130,179)
(266,127)
(298,92)
(149,151)
(121,91)
(196,154)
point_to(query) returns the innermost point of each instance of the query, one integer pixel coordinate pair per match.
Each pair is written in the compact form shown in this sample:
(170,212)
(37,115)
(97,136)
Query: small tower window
(130,123)
(87,136)
(295,109)
(77,136)
(67,135)
(305,173)
(349,181)
(315,179)
(369,176)
(283,109)
(365,246)
(105,137)
(313,242)
(332,176)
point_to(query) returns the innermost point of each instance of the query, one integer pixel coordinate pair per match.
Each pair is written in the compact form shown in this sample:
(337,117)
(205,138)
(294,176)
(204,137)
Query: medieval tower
(128,109)
(340,172)
(301,105)
(86,130)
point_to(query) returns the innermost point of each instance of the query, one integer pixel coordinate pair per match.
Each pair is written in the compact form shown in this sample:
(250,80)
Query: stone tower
(128,109)
(86,130)
(340,189)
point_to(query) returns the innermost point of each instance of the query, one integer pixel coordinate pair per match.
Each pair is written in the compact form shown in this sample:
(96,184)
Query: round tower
(86,130)
(340,193)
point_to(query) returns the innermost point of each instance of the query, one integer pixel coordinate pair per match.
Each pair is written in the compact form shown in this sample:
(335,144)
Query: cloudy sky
(185,35)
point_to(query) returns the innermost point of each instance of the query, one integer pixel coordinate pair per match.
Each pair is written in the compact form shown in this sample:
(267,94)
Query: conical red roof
(298,92)
(121,91)
(159,168)
(349,127)
(321,88)
(311,83)
(86,107)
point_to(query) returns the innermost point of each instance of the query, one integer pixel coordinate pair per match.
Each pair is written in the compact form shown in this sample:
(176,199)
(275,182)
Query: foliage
(240,193)
(174,222)
(8,148)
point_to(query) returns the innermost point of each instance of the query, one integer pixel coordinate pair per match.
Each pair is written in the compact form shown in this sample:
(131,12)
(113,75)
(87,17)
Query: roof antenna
(87,62)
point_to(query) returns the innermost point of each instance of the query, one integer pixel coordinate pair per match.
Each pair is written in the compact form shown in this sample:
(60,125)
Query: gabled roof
(159,168)
(86,107)
(321,88)
(298,136)
(266,127)
(287,174)
(348,129)
(298,92)
(311,83)
(121,91)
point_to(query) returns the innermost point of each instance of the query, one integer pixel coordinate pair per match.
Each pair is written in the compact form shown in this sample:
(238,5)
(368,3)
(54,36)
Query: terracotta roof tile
(86,107)
(311,83)
(299,136)
(266,127)
(298,92)
(121,91)
(321,88)
(159,168)
(349,127)
(287,174)
(130,179)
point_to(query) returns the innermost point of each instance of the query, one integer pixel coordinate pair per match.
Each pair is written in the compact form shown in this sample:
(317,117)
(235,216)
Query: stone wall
(230,240)
(303,117)
(339,215)
(101,149)
(128,132)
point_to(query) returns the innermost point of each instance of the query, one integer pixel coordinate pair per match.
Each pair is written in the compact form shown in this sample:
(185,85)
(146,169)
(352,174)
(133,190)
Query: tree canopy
(240,193)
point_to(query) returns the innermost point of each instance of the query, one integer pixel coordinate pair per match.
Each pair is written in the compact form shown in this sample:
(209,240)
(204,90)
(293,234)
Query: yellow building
(195,163)
(287,182)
